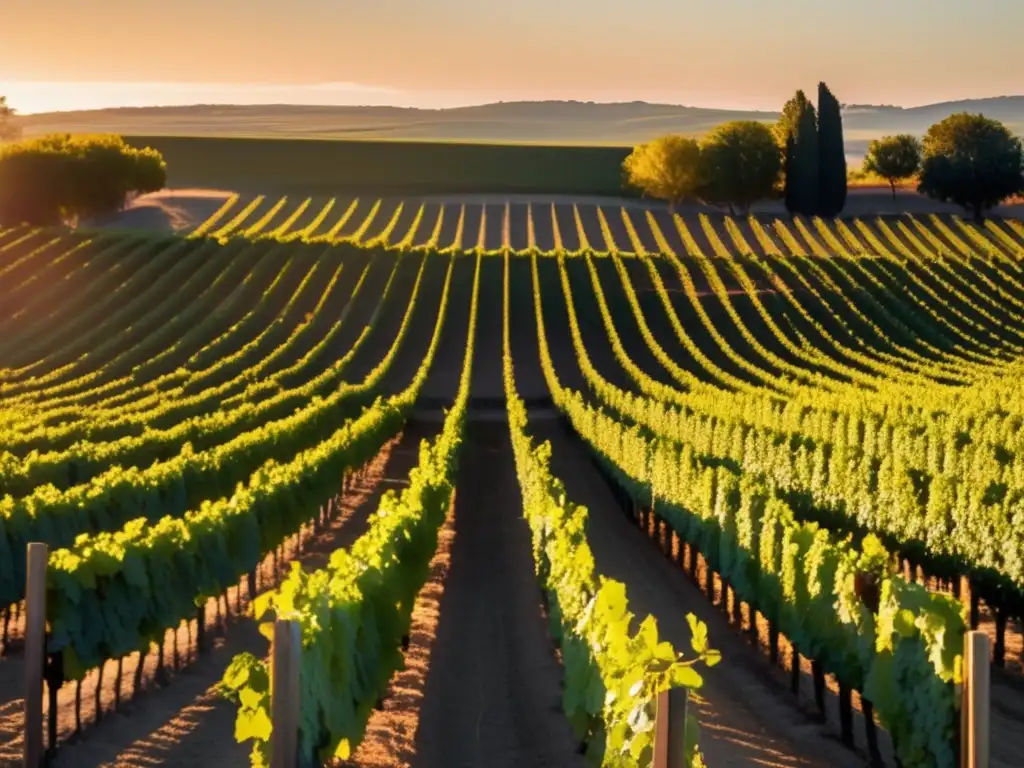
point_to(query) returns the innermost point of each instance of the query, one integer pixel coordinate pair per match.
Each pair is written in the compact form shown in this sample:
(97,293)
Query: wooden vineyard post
(285,694)
(670,729)
(974,711)
(969,596)
(35,652)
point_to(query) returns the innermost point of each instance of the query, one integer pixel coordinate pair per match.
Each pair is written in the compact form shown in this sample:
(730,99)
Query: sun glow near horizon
(61,96)
(88,54)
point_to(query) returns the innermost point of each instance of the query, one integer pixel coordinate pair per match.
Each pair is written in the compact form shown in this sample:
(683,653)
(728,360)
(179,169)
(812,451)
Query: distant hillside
(550,122)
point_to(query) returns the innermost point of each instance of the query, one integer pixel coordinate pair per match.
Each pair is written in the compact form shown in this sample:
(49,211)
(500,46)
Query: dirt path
(493,697)
(745,719)
(188,722)
(443,379)
(390,740)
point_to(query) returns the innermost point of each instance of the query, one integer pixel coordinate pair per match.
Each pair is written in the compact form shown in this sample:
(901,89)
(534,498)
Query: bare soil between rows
(493,690)
(183,209)
(747,710)
(746,717)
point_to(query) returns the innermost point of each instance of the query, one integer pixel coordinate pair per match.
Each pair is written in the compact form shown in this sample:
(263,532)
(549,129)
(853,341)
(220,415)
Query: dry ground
(180,210)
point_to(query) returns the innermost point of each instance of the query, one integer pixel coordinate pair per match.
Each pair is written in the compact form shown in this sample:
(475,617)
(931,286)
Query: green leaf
(252,724)
(250,699)
(686,677)
(699,634)
(237,673)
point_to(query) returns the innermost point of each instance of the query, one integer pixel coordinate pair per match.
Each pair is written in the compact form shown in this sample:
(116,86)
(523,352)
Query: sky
(749,54)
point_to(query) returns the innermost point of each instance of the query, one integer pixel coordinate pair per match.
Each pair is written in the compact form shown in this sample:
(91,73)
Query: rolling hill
(550,122)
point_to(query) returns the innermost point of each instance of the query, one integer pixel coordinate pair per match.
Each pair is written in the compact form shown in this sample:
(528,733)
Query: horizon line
(298,105)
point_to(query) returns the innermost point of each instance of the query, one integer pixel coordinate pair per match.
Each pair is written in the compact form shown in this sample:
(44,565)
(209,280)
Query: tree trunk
(979,213)
(892,185)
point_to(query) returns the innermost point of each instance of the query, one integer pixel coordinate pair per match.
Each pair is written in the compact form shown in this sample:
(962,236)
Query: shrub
(63,178)
(9,130)
(667,168)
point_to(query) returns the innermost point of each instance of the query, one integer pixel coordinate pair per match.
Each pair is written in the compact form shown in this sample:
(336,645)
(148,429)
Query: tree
(799,126)
(791,112)
(894,158)
(973,161)
(831,155)
(8,130)
(150,171)
(740,164)
(667,168)
(789,172)
(62,178)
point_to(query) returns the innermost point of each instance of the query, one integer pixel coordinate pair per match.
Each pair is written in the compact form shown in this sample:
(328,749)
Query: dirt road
(493,696)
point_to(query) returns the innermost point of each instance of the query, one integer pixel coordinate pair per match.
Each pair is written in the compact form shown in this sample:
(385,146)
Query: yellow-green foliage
(58,178)
(666,169)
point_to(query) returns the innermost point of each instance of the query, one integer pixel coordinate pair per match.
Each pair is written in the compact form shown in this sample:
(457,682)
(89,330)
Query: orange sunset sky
(65,54)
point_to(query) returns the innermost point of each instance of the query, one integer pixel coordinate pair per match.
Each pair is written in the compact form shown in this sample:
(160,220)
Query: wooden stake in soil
(137,682)
(846,715)
(117,684)
(35,652)
(284,694)
(871,732)
(975,730)
(53,674)
(818,674)
(999,650)
(670,729)
(98,696)
(974,602)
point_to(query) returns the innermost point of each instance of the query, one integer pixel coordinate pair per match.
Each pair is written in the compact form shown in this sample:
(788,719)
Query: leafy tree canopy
(63,178)
(894,158)
(740,164)
(8,130)
(973,161)
(667,168)
(792,113)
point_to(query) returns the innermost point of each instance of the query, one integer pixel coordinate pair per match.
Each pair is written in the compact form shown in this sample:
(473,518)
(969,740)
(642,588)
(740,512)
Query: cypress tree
(807,160)
(789,169)
(831,155)
(799,127)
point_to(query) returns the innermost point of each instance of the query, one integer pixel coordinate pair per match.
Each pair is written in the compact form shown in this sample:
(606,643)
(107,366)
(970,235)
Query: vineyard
(514,470)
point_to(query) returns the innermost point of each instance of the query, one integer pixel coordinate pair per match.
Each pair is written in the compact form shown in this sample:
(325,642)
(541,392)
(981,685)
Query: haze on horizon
(86,54)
